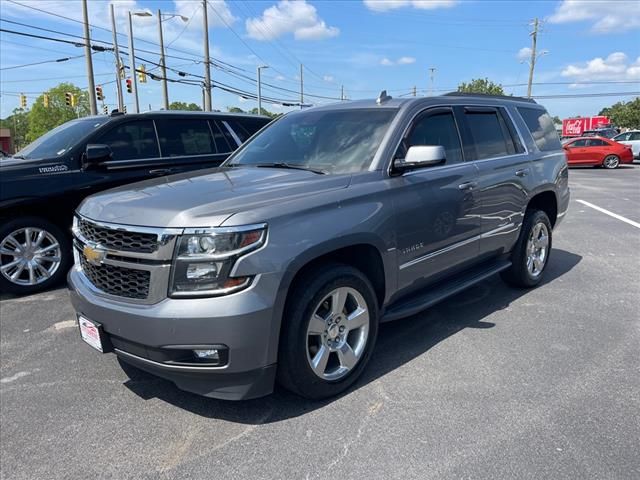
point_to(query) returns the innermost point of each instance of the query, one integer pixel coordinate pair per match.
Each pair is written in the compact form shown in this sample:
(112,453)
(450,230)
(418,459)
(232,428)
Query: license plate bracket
(93,334)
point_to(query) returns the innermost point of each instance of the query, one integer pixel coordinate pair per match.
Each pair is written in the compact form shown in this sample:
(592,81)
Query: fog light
(212,354)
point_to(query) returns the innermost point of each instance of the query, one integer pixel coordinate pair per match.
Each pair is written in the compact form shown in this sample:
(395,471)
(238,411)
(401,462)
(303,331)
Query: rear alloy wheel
(611,162)
(328,332)
(34,255)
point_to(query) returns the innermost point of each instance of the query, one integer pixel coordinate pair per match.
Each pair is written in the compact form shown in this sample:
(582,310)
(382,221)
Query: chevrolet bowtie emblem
(95,255)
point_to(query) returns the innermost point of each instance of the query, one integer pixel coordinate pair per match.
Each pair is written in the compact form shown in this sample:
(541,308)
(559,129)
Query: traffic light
(129,86)
(23,100)
(124,109)
(68,99)
(121,69)
(99,94)
(105,109)
(142,74)
(45,100)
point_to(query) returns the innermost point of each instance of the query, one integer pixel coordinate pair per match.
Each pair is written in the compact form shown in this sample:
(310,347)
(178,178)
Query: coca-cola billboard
(574,127)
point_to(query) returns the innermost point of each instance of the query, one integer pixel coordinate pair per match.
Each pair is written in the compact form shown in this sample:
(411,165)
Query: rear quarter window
(541,127)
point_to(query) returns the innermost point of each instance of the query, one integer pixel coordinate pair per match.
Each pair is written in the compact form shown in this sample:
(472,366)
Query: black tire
(10,226)
(294,370)
(518,274)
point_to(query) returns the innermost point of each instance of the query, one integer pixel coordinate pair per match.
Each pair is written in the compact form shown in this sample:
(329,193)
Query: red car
(597,151)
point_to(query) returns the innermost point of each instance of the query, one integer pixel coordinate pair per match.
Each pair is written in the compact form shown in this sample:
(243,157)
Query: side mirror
(420,156)
(96,154)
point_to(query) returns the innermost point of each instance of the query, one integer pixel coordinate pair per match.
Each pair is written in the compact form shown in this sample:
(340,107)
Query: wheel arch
(547,201)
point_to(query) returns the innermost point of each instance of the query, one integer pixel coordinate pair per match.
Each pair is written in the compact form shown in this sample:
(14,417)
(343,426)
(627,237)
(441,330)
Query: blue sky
(365,46)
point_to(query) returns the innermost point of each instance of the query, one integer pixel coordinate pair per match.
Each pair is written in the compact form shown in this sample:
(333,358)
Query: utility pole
(163,67)
(132,68)
(342,93)
(414,91)
(260,88)
(116,52)
(301,87)
(87,53)
(207,61)
(532,62)
(432,71)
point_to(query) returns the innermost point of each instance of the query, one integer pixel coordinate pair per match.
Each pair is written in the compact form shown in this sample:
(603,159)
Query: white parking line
(611,214)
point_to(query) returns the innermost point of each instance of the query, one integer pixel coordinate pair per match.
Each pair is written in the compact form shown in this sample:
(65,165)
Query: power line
(42,62)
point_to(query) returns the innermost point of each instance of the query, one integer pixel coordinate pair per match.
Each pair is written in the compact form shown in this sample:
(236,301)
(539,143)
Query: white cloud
(385,5)
(297,17)
(328,78)
(615,67)
(401,61)
(406,60)
(524,54)
(280,78)
(607,17)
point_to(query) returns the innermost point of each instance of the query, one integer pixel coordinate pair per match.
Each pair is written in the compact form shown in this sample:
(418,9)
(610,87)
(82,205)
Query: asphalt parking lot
(492,383)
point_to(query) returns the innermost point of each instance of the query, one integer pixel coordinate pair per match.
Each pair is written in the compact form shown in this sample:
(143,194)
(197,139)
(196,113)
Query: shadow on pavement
(398,343)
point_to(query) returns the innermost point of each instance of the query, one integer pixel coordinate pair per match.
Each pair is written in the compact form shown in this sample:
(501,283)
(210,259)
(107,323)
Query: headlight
(204,259)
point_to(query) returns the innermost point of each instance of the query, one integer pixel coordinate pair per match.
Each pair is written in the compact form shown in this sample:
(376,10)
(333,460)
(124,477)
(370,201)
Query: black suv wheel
(329,331)
(35,254)
(531,253)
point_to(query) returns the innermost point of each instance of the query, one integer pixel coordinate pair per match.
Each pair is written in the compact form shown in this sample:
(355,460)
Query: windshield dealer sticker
(53,169)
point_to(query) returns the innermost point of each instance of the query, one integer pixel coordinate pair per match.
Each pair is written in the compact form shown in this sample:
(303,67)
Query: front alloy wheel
(337,333)
(611,162)
(34,255)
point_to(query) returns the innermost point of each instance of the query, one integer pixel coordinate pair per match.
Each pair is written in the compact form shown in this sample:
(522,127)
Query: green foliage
(624,114)
(190,107)
(18,124)
(254,111)
(556,119)
(42,119)
(481,85)
(234,110)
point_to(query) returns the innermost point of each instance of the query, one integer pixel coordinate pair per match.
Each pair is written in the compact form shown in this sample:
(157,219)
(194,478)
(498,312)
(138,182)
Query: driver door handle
(161,171)
(467,185)
(523,172)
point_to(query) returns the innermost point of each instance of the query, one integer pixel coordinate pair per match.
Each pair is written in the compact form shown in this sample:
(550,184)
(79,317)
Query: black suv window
(491,137)
(438,129)
(542,129)
(131,140)
(184,137)
(224,141)
(245,127)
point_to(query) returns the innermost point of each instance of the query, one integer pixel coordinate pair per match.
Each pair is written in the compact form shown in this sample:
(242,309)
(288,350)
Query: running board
(434,294)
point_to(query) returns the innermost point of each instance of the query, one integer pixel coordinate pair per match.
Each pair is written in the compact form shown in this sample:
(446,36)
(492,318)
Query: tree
(481,85)
(234,110)
(624,114)
(266,112)
(190,107)
(18,124)
(42,119)
(556,119)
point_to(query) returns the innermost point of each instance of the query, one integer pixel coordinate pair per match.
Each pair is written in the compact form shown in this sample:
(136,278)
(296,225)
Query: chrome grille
(120,281)
(120,240)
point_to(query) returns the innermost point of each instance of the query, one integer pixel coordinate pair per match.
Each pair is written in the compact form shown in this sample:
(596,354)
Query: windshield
(58,141)
(338,141)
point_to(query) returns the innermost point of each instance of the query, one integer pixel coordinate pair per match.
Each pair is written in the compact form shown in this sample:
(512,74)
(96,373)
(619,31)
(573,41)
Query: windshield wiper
(292,166)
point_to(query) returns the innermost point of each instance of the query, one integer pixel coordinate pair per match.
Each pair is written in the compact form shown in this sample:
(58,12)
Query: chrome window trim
(515,126)
(233,134)
(449,248)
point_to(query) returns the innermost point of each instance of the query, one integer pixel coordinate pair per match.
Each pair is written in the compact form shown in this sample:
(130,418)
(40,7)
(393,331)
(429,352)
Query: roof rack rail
(486,95)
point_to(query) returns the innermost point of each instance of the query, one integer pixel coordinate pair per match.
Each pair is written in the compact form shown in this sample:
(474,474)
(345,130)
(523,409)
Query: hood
(206,200)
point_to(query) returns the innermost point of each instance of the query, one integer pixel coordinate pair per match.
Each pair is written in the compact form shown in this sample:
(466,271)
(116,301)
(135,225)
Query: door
(577,152)
(597,149)
(135,157)
(436,208)
(504,175)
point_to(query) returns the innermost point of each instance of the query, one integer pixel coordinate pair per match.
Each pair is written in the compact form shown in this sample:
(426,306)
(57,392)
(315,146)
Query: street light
(132,58)
(163,67)
(260,88)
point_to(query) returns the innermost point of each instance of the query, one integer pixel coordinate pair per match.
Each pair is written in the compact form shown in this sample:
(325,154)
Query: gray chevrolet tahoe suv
(280,265)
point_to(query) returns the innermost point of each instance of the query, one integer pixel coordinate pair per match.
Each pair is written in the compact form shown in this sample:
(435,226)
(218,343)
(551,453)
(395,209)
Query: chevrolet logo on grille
(94,254)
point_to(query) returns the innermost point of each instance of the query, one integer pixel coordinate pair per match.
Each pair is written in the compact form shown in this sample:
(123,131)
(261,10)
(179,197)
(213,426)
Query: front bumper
(140,333)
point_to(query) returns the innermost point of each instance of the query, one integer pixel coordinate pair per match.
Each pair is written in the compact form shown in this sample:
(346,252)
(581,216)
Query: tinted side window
(596,142)
(490,135)
(579,143)
(634,136)
(245,127)
(224,141)
(438,129)
(184,137)
(542,129)
(131,140)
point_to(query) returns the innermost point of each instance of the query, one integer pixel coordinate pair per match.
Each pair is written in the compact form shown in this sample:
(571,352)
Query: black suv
(42,184)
